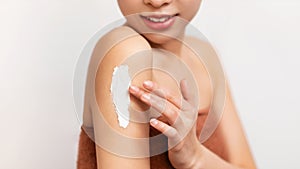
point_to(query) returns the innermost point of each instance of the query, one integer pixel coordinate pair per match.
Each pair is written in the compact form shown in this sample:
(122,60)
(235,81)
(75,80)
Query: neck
(174,46)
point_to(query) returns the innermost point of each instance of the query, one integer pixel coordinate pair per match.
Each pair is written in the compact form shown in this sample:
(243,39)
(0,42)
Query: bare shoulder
(123,40)
(110,51)
(116,47)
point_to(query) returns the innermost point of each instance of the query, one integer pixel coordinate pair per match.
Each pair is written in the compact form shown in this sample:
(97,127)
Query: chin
(158,39)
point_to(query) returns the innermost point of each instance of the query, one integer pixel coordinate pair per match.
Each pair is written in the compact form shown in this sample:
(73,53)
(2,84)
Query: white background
(40,42)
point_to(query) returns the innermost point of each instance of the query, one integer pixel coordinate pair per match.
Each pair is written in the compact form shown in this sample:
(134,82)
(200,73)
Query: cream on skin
(120,95)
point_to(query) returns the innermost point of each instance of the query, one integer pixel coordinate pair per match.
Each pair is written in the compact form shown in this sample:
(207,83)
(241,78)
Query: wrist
(197,160)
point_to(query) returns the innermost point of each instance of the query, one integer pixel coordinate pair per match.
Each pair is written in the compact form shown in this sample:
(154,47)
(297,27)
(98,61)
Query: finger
(161,105)
(167,130)
(184,90)
(163,93)
(163,119)
(136,91)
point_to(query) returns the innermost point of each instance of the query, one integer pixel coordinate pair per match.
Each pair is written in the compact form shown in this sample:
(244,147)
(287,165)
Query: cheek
(124,8)
(128,7)
(190,8)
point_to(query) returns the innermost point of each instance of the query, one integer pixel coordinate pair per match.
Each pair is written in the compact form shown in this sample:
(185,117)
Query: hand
(177,121)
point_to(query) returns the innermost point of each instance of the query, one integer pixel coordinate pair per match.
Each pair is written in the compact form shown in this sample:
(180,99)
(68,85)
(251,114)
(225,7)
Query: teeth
(158,20)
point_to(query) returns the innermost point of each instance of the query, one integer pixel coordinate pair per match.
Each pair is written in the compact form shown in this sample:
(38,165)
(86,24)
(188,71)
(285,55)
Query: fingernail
(153,121)
(148,84)
(146,97)
(134,89)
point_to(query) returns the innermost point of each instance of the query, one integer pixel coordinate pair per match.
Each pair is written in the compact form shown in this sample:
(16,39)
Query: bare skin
(226,148)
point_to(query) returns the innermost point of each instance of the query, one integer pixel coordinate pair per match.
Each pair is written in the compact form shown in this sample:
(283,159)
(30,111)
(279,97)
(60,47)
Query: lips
(158,22)
(158,19)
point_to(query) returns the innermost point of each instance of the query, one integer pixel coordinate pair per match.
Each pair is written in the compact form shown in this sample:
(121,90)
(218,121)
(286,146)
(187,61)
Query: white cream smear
(120,95)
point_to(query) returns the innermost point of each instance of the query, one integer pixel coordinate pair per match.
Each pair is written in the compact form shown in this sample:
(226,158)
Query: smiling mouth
(159,19)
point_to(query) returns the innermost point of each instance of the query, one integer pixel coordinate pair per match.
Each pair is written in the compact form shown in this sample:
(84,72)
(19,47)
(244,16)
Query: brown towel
(87,154)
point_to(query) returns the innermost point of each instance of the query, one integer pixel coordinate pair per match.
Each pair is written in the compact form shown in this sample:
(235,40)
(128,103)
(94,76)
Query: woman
(226,148)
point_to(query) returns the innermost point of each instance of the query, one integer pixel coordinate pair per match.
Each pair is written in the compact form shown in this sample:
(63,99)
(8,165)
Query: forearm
(206,159)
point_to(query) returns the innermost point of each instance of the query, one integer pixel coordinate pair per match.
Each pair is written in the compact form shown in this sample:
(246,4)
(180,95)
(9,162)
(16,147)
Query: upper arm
(235,139)
(228,140)
(114,57)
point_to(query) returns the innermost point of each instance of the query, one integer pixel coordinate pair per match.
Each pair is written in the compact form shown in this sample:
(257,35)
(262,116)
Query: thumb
(184,90)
